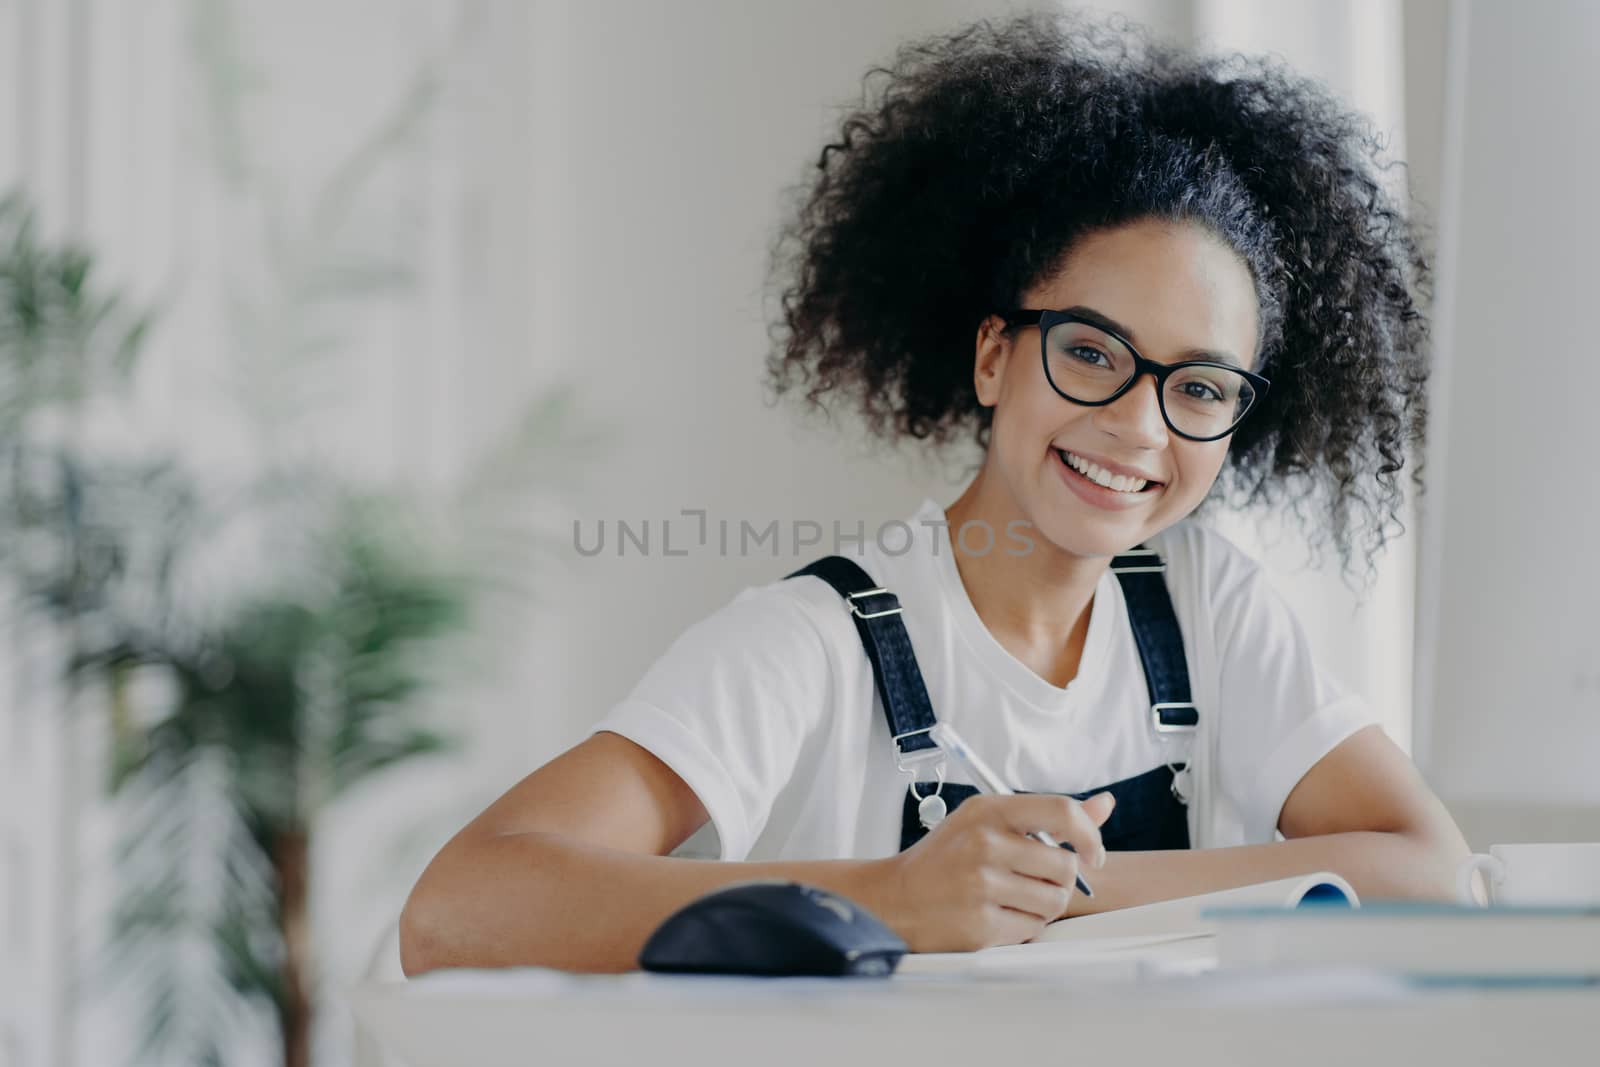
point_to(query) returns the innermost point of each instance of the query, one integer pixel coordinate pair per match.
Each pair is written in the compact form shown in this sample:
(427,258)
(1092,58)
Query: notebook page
(1107,958)
(1181,917)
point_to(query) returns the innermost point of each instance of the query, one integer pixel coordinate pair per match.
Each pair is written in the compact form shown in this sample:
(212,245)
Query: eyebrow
(1106,322)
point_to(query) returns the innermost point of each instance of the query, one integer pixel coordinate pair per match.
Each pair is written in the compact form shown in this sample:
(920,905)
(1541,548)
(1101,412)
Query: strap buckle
(1174,724)
(910,761)
(864,593)
(1149,563)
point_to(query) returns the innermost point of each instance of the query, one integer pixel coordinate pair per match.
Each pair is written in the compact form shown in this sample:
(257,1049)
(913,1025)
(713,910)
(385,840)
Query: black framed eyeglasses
(1086,363)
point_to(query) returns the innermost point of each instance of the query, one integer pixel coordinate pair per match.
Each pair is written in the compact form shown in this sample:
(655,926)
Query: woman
(1124,269)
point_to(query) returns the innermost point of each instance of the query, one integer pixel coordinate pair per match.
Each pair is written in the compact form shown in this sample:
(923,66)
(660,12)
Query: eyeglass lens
(1088,364)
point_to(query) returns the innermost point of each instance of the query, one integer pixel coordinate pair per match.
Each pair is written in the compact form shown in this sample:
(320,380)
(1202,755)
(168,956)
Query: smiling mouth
(1117,483)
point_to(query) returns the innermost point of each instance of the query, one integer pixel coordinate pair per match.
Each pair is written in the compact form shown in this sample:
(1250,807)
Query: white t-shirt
(768,711)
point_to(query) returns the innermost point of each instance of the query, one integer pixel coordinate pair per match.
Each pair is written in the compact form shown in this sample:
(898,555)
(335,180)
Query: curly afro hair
(986,154)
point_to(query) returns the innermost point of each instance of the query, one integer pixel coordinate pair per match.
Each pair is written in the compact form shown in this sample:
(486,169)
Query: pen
(946,738)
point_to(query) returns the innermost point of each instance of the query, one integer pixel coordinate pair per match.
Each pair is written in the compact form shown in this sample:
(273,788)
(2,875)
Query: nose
(1135,417)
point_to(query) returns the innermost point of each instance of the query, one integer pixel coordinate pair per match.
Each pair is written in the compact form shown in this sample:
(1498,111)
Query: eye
(1084,354)
(1194,389)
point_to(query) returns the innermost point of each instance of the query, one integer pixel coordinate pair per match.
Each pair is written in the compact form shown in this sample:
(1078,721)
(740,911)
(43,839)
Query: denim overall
(1150,812)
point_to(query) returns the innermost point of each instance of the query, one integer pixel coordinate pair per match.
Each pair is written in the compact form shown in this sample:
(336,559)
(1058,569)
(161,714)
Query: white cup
(1534,874)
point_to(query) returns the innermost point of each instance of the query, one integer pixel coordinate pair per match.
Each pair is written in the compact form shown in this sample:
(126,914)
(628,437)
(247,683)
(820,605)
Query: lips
(1097,495)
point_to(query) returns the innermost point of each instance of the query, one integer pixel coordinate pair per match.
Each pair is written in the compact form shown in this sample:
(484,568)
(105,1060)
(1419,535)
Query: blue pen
(946,738)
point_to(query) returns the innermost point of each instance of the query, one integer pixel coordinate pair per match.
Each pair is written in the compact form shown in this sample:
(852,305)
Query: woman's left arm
(1362,811)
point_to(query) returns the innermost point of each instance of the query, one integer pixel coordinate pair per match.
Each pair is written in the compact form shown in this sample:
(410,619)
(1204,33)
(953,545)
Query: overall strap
(1140,571)
(876,613)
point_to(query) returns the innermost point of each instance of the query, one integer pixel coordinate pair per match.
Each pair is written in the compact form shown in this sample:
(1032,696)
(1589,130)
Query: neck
(1041,598)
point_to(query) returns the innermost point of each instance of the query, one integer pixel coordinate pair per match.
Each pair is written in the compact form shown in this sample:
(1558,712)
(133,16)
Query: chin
(1075,537)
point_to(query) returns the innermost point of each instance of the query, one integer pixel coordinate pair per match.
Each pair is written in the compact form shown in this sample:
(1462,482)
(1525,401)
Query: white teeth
(1122,483)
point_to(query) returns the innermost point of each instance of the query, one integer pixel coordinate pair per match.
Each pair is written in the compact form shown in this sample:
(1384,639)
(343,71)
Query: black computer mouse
(773,928)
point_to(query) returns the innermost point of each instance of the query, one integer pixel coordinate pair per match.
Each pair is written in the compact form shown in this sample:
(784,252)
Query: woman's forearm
(1377,864)
(538,899)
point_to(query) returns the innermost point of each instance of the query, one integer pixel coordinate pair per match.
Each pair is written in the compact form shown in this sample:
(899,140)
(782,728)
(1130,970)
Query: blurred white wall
(1510,723)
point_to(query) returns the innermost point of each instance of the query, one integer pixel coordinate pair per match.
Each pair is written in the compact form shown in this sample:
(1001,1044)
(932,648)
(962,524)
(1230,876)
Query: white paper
(1182,916)
(1122,957)
(1167,936)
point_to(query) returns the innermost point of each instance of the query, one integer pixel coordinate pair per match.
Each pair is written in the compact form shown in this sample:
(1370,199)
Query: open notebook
(1172,930)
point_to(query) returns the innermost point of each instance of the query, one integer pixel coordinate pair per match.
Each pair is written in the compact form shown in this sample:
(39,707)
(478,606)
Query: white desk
(640,1020)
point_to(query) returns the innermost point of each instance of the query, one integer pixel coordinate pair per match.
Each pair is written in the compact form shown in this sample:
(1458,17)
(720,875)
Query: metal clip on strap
(855,608)
(1138,561)
(1174,717)
(909,761)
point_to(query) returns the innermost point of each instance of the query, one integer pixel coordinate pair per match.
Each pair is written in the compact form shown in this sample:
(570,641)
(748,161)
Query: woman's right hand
(977,880)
